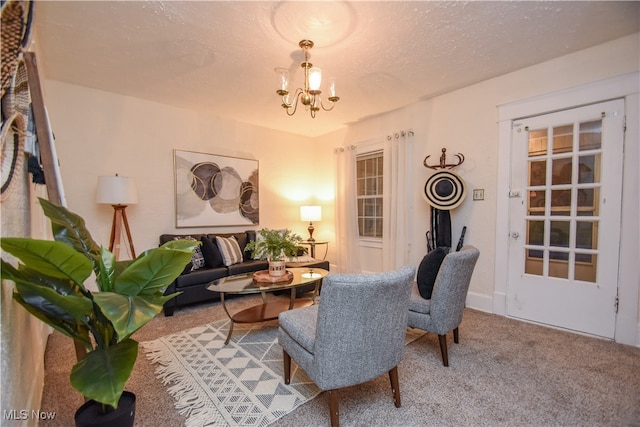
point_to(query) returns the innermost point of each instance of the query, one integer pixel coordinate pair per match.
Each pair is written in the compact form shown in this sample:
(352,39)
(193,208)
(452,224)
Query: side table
(312,246)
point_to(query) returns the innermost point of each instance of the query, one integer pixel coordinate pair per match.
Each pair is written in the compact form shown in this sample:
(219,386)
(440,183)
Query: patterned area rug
(239,384)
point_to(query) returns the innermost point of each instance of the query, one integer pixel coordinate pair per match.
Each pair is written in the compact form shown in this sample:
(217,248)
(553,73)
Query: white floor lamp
(119,192)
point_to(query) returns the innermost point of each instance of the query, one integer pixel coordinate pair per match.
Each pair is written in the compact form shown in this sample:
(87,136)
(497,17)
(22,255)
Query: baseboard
(627,331)
(480,302)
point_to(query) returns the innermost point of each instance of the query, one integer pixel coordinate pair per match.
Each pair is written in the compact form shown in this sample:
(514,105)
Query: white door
(565,201)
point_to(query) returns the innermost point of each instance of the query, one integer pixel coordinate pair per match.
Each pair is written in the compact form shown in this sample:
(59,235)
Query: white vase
(277,268)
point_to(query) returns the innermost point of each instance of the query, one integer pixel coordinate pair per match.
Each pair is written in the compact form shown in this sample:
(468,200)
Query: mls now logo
(23,414)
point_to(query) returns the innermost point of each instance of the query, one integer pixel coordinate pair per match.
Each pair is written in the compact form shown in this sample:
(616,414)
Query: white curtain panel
(397,200)
(348,248)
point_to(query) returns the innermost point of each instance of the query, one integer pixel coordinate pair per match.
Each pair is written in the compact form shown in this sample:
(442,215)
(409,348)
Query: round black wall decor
(444,190)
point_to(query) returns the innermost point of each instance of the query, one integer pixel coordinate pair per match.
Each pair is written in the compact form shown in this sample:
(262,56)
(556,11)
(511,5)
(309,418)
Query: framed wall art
(213,190)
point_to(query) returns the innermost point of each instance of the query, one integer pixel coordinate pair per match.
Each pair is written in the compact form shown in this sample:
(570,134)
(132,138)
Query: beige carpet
(503,373)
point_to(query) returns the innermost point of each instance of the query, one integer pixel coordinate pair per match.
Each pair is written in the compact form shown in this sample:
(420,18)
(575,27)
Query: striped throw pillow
(229,249)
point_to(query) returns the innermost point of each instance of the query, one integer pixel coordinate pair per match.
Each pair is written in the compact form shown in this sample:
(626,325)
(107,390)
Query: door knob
(515,234)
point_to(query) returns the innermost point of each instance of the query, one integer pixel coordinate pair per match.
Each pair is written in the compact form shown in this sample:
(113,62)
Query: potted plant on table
(50,284)
(275,246)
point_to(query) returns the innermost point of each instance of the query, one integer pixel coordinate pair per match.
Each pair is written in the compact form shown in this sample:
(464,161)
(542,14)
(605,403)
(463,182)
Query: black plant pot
(90,415)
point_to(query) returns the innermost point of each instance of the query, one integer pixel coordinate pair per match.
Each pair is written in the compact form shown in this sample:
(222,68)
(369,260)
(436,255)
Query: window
(369,173)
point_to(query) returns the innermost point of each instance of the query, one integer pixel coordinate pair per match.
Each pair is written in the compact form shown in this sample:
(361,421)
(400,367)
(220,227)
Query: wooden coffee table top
(245,284)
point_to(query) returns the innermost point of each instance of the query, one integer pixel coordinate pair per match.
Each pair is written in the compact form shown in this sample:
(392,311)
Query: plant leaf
(59,303)
(127,314)
(67,307)
(77,331)
(102,374)
(153,273)
(71,229)
(51,258)
(107,270)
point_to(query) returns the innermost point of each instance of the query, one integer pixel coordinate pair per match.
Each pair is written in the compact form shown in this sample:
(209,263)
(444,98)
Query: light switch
(478,194)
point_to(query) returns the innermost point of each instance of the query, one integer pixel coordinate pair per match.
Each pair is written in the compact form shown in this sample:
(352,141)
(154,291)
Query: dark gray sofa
(193,283)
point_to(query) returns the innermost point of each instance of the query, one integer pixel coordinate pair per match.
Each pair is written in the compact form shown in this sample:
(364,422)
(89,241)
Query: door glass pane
(534,262)
(537,173)
(535,232)
(561,171)
(558,266)
(560,202)
(562,139)
(586,267)
(559,233)
(586,235)
(537,142)
(590,135)
(588,167)
(586,199)
(536,202)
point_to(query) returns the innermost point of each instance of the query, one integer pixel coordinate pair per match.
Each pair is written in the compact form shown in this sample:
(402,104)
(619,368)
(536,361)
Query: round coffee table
(241,284)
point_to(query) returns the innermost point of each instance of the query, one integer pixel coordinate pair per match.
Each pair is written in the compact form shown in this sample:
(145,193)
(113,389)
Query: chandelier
(309,94)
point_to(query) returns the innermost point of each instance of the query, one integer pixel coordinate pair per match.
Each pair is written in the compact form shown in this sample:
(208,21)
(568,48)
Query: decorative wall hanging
(12,137)
(444,190)
(15,20)
(213,190)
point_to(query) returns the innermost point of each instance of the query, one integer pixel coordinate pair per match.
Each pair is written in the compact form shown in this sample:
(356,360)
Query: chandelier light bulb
(283,81)
(332,86)
(315,78)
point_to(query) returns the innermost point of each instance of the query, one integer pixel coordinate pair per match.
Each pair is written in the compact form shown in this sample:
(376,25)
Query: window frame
(371,152)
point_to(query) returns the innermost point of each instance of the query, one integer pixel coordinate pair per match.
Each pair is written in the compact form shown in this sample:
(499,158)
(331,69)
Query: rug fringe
(188,401)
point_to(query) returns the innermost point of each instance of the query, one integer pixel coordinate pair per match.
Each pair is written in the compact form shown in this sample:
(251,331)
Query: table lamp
(118,191)
(310,213)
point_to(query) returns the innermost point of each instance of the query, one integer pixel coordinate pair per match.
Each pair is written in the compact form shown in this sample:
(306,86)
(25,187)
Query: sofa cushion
(212,256)
(417,303)
(229,249)
(200,277)
(247,267)
(428,271)
(164,238)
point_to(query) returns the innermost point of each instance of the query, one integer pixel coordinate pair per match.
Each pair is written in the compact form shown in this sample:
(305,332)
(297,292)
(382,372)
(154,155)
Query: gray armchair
(443,312)
(355,334)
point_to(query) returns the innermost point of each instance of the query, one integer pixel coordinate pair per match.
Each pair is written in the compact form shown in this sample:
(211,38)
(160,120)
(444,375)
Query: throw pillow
(212,256)
(428,271)
(229,249)
(197,259)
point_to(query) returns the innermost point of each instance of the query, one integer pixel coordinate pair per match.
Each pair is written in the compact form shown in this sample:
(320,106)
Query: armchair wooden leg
(333,408)
(395,386)
(287,367)
(456,337)
(443,349)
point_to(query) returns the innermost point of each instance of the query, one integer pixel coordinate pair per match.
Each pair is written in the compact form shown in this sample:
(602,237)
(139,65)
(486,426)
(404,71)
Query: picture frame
(215,191)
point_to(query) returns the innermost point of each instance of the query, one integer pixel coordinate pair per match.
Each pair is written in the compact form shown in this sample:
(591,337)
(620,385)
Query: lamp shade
(310,213)
(116,190)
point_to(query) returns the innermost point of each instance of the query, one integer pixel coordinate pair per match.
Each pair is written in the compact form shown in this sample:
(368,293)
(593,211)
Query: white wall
(99,133)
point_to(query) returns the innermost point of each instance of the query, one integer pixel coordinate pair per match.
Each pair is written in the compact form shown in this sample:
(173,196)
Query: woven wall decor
(12,137)
(15,21)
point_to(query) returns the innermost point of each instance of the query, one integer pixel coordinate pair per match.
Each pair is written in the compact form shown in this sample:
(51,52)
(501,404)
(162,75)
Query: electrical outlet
(478,194)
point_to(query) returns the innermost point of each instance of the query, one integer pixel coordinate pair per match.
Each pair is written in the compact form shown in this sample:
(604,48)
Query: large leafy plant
(274,245)
(49,283)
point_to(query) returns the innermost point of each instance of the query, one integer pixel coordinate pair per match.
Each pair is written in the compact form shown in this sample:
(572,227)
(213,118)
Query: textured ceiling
(220,56)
